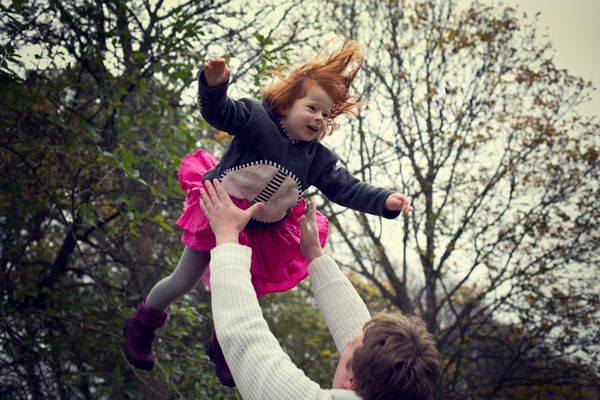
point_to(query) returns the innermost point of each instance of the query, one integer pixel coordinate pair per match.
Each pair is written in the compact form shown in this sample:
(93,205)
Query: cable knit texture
(260,368)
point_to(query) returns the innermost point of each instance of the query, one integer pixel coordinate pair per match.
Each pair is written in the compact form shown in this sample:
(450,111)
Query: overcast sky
(574,29)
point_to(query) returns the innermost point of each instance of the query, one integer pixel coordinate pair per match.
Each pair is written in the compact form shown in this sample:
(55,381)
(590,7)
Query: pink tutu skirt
(277,264)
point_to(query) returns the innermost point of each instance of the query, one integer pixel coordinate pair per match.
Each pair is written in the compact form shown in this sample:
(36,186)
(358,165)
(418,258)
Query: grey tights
(186,276)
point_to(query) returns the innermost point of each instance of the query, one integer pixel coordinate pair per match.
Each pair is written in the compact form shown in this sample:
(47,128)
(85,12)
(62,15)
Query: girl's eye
(312,107)
(325,115)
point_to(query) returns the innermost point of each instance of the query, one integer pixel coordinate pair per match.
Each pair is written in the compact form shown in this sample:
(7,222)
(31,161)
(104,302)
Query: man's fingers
(255,209)
(311,212)
(303,224)
(211,191)
(206,198)
(220,190)
(309,209)
(206,205)
(202,205)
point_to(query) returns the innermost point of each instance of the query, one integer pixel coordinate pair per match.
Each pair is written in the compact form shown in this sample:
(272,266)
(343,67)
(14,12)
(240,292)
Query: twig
(136,374)
(169,378)
(186,357)
(80,323)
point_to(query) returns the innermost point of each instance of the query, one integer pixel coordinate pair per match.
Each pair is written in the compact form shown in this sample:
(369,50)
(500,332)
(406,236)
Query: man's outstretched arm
(344,311)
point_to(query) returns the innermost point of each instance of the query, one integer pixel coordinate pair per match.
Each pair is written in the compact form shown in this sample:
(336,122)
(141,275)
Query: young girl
(275,155)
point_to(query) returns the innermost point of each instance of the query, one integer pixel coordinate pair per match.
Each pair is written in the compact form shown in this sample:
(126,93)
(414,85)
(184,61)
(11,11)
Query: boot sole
(209,352)
(145,365)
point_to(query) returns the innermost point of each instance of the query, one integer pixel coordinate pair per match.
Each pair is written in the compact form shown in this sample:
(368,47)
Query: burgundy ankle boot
(213,349)
(138,330)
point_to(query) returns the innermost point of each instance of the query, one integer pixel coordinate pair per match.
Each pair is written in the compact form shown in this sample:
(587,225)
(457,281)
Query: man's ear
(350,383)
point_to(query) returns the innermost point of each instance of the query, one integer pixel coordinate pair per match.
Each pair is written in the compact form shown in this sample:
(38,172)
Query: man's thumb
(256,208)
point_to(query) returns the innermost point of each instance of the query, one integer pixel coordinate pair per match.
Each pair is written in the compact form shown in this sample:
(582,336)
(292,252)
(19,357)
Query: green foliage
(272,61)
(94,128)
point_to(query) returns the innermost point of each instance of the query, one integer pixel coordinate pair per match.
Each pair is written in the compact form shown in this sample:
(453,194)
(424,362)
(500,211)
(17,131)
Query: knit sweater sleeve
(260,368)
(344,311)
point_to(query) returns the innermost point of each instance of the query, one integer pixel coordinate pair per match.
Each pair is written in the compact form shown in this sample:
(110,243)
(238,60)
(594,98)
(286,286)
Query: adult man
(386,357)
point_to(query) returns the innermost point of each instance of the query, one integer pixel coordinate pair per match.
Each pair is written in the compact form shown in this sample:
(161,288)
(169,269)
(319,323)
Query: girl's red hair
(328,73)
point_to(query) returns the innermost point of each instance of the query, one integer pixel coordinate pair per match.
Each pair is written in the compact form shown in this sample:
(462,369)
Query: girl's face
(306,119)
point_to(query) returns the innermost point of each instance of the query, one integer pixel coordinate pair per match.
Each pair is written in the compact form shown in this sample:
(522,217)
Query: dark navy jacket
(263,164)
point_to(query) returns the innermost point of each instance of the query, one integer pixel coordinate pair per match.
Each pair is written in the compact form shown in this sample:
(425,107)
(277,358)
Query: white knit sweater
(260,368)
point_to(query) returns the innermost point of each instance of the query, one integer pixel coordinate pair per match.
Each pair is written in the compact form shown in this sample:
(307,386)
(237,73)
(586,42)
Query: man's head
(393,357)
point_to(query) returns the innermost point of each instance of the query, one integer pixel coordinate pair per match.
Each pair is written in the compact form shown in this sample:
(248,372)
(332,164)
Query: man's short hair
(398,359)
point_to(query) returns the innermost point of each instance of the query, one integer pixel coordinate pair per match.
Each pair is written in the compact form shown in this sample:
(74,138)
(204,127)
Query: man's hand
(216,72)
(310,246)
(225,218)
(398,202)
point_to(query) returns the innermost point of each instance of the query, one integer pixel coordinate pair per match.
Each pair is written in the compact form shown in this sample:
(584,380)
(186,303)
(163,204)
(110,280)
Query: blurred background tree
(468,115)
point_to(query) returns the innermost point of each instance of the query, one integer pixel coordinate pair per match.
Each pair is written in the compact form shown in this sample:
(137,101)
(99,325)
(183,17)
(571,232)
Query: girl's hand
(216,72)
(398,202)
(225,218)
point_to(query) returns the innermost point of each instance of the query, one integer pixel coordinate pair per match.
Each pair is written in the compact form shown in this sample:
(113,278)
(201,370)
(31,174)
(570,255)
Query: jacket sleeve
(222,112)
(343,188)
(260,368)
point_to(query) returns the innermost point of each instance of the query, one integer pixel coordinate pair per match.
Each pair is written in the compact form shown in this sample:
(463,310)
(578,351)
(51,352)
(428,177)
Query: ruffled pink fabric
(277,264)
